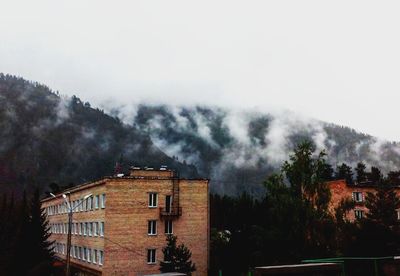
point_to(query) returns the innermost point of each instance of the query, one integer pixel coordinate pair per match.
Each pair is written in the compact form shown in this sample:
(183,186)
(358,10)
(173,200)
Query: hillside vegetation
(46,138)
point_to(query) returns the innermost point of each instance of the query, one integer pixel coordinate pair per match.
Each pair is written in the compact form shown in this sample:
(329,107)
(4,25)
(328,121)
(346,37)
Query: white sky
(337,61)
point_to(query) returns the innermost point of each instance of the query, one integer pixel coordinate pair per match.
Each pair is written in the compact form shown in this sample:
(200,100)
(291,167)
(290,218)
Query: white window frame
(101,229)
(153,200)
(152,227)
(151,256)
(94,257)
(84,254)
(96,202)
(103,201)
(89,255)
(360,212)
(358,196)
(168,227)
(95,229)
(101,257)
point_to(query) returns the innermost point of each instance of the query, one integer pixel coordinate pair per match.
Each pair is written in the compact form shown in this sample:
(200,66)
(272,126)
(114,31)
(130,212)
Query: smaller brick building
(356,192)
(121,228)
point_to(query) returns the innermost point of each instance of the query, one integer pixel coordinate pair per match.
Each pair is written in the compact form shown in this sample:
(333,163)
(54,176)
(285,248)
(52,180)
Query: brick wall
(340,190)
(98,215)
(127,217)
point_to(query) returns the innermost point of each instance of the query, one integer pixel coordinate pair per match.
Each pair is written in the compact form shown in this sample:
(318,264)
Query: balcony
(172,212)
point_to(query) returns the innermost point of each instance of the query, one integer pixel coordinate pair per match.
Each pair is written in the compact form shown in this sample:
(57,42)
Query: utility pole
(70,212)
(69,235)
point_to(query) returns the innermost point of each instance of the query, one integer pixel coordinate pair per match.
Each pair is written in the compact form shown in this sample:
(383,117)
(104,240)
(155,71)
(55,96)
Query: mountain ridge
(51,138)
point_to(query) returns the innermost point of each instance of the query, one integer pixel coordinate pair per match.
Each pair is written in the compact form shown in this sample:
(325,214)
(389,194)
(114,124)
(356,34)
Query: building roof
(103,180)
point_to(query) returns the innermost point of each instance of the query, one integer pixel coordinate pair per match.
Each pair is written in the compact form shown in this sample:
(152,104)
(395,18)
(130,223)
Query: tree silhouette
(176,258)
(344,171)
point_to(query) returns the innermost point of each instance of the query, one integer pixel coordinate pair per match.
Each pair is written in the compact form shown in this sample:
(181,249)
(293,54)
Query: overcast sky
(337,61)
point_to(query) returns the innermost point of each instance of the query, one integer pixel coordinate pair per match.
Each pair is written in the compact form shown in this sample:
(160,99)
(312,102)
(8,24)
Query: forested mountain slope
(49,138)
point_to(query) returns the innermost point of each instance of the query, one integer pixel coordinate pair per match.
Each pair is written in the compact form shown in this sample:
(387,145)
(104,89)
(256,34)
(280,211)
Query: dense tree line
(48,138)
(292,221)
(38,125)
(24,248)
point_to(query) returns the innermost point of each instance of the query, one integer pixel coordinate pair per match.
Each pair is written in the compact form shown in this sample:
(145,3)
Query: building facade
(357,193)
(122,225)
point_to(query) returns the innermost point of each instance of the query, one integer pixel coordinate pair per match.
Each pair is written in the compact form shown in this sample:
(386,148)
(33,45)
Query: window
(101,229)
(84,204)
(76,251)
(80,205)
(359,214)
(358,196)
(79,252)
(76,228)
(398,214)
(84,228)
(81,228)
(151,256)
(168,227)
(152,200)
(152,227)
(168,203)
(89,203)
(96,202)
(95,229)
(89,226)
(103,201)
(94,257)
(89,255)
(84,255)
(101,257)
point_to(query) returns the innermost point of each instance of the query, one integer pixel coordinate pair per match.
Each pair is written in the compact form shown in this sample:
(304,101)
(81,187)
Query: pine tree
(344,171)
(176,258)
(382,206)
(375,175)
(378,234)
(22,239)
(361,174)
(40,248)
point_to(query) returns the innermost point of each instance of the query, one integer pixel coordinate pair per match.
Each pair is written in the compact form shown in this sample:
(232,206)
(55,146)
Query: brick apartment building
(356,192)
(121,228)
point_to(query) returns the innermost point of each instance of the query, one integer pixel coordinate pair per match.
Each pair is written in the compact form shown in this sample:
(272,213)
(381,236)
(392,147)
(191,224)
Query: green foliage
(176,258)
(379,233)
(306,175)
(302,201)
